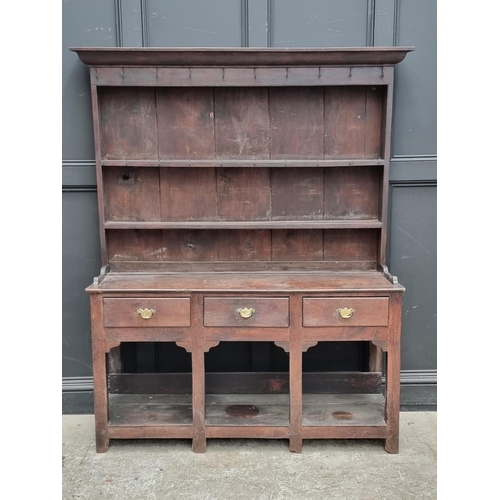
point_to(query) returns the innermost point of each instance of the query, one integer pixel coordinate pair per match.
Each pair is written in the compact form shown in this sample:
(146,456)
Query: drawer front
(144,313)
(246,312)
(372,311)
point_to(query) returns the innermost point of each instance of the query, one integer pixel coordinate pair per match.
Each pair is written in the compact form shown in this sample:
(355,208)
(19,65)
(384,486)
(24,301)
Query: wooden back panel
(304,124)
(145,123)
(352,248)
(241,194)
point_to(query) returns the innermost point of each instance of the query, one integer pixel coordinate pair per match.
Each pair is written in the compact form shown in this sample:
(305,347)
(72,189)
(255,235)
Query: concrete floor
(250,469)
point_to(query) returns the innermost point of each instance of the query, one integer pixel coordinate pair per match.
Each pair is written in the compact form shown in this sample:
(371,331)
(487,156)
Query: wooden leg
(199,439)
(100,375)
(393,397)
(198,371)
(100,397)
(295,381)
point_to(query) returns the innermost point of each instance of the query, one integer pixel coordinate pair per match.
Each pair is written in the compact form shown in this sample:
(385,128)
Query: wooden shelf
(139,409)
(264,224)
(255,410)
(237,163)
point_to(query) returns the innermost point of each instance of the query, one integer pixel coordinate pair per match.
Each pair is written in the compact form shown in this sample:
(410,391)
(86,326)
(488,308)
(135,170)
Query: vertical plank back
(128,123)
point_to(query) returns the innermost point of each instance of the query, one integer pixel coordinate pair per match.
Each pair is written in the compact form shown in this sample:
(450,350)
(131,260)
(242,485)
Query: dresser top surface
(246,282)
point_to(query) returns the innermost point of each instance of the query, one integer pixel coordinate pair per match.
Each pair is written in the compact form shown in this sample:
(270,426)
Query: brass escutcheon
(245,312)
(145,313)
(345,312)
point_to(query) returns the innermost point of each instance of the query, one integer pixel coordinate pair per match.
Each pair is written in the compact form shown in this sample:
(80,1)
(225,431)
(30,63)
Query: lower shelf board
(269,410)
(130,410)
(330,410)
(247,410)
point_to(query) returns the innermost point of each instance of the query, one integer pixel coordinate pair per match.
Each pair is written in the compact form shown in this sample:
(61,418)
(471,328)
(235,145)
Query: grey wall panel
(413,169)
(194,23)
(79,173)
(81,262)
(258,23)
(415,98)
(84,23)
(319,23)
(385,11)
(129,18)
(413,251)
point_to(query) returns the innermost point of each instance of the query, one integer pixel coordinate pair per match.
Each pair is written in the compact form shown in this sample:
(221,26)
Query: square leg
(393,397)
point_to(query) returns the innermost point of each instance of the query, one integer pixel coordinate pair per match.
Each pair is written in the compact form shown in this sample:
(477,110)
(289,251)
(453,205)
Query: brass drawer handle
(345,312)
(146,313)
(245,312)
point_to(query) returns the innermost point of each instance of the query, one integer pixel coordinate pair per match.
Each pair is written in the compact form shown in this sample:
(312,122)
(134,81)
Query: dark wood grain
(198,373)
(295,356)
(393,378)
(366,281)
(132,195)
(365,410)
(198,202)
(252,432)
(271,411)
(238,383)
(100,375)
(352,193)
(374,358)
(297,122)
(128,123)
(248,224)
(242,123)
(297,194)
(384,188)
(184,245)
(244,163)
(151,431)
(344,432)
(351,245)
(115,364)
(135,245)
(244,245)
(374,126)
(101,204)
(185,123)
(367,311)
(169,312)
(238,266)
(268,312)
(145,409)
(243,194)
(297,245)
(353,121)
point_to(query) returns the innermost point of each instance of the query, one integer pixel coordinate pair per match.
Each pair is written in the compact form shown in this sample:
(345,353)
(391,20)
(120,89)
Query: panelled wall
(260,23)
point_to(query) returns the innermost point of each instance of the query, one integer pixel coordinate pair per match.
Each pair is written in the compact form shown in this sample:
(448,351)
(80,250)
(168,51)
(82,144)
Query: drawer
(370,311)
(163,312)
(246,312)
